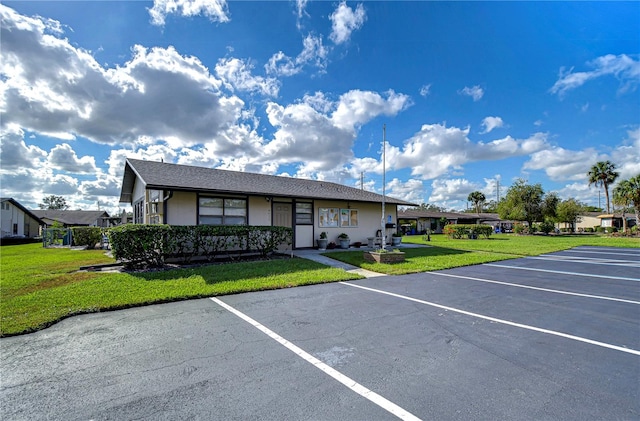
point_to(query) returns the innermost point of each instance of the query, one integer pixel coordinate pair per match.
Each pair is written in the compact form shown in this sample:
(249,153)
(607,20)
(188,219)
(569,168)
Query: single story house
(586,220)
(615,220)
(419,221)
(18,221)
(73,218)
(187,195)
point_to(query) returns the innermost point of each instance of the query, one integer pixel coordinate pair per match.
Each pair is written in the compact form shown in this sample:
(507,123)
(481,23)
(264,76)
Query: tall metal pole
(384,181)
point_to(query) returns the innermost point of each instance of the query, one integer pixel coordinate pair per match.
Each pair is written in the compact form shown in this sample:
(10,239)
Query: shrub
(458,231)
(136,244)
(519,228)
(150,245)
(546,227)
(589,229)
(87,236)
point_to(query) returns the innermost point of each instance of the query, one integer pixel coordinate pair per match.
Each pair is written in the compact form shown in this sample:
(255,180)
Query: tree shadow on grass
(216,273)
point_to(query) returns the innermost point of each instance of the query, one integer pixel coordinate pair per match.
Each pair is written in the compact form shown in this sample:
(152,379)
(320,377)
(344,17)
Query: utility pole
(361,180)
(384,169)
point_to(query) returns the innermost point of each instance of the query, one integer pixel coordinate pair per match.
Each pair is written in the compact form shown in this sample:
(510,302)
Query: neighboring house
(187,195)
(18,221)
(615,220)
(73,218)
(419,221)
(583,221)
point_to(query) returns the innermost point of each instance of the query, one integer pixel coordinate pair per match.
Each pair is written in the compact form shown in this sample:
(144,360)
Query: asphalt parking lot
(551,337)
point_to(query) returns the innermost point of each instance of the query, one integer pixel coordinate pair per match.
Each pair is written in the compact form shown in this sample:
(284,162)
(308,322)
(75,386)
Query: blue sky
(471,93)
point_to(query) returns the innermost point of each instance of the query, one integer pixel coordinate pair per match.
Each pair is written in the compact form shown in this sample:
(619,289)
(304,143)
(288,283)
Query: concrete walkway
(316,256)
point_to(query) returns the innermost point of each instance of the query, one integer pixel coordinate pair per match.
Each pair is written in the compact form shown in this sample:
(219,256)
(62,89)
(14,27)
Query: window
(5,205)
(348,217)
(154,206)
(15,229)
(221,211)
(327,217)
(138,212)
(304,213)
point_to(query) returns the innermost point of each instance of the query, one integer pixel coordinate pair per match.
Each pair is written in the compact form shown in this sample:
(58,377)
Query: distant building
(73,218)
(418,221)
(18,221)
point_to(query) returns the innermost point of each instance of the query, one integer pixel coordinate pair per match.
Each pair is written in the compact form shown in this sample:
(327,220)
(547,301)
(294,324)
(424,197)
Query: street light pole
(384,169)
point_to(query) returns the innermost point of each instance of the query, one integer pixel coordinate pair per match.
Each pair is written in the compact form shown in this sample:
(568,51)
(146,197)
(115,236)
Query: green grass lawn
(39,287)
(446,253)
(525,245)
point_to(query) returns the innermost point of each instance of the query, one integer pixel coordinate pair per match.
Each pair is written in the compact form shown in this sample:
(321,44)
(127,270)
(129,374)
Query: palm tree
(477,198)
(603,174)
(627,193)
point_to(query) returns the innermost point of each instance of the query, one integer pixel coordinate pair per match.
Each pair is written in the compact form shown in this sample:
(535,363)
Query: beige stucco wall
(588,222)
(182,208)
(259,211)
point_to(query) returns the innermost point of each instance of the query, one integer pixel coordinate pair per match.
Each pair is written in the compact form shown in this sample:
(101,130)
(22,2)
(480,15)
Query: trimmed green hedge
(87,236)
(458,231)
(151,245)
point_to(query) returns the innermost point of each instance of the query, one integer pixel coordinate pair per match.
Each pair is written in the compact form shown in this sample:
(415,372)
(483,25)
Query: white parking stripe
(606,262)
(502,321)
(588,275)
(555,291)
(600,252)
(351,384)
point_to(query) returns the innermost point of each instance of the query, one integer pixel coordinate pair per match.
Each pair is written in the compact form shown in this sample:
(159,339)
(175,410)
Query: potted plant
(322,241)
(344,240)
(396,238)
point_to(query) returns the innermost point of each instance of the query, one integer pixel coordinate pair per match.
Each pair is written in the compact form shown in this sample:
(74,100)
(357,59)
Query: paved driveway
(552,337)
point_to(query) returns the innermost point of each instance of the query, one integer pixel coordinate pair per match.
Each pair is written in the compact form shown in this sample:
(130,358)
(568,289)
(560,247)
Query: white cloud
(320,133)
(358,107)
(344,21)
(411,190)
(63,158)
(451,193)
(436,150)
(562,164)
(425,90)
(301,6)
(475,92)
(215,10)
(51,87)
(313,53)
(623,67)
(237,73)
(14,152)
(490,123)
(627,155)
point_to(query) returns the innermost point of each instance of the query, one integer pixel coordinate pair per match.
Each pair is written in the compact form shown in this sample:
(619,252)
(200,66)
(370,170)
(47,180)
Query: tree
(603,174)
(627,194)
(478,199)
(491,206)
(431,208)
(550,205)
(568,211)
(523,202)
(54,202)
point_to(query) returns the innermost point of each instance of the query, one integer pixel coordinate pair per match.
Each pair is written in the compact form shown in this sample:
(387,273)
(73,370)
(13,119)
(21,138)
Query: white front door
(282,215)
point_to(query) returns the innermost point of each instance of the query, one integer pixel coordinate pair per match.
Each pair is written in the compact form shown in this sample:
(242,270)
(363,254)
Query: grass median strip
(39,287)
(421,259)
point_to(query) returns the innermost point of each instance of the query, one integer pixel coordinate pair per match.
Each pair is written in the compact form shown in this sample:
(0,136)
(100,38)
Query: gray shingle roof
(71,217)
(417,213)
(158,175)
